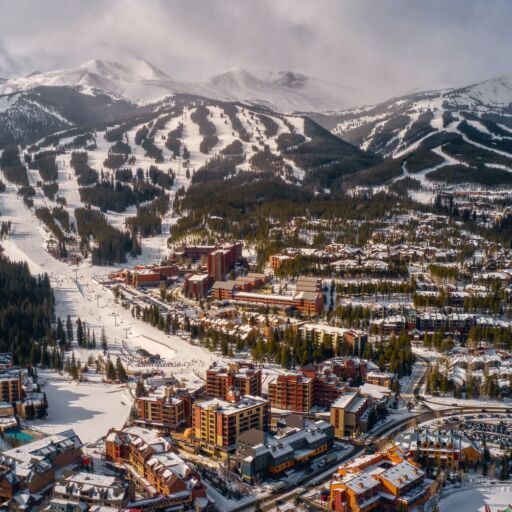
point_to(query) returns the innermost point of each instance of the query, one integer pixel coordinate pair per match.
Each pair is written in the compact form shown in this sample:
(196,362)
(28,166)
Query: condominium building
(447,450)
(222,379)
(217,424)
(33,465)
(165,408)
(153,467)
(196,286)
(335,337)
(291,392)
(332,377)
(11,385)
(384,379)
(307,302)
(380,481)
(93,490)
(348,413)
(222,259)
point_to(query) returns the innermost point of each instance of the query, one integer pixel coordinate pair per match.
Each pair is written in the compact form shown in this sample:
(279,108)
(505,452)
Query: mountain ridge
(139,81)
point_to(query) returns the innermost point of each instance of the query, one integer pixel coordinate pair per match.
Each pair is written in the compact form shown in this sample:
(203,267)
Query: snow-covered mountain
(459,135)
(398,125)
(140,82)
(282,90)
(136,80)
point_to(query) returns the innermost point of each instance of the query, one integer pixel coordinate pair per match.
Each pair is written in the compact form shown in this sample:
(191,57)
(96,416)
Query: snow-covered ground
(90,408)
(474,499)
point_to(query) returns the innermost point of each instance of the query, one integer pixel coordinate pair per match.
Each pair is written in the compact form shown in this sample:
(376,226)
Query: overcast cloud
(387,47)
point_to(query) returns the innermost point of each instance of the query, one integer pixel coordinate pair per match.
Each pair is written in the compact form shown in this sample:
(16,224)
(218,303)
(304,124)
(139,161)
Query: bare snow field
(475,499)
(90,408)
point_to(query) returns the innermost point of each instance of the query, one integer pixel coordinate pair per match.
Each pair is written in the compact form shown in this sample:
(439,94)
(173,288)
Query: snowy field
(475,499)
(90,408)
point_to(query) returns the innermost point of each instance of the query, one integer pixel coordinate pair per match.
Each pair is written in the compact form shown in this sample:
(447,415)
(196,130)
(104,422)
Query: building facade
(217,424)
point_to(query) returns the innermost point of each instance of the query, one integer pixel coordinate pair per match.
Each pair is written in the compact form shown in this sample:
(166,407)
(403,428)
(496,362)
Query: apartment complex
(308,300)
(32,466)
(93,490)
(11,385)
(217,424)
(335,337)
(330,378)
(154,468)
(219,259)
(380,481)
(222,259)
(291,392)
(221,380)
(166,408)
(384,379)
(196,286)
(446,450)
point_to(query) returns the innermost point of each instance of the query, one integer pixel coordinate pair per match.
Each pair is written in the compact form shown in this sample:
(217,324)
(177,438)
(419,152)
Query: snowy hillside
(440,138)
(284,90)
(140,82)
(135,80)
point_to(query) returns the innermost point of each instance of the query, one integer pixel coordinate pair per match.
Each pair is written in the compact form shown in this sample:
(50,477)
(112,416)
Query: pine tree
(104,344)
(61,335)
(121,374)
(79,333)
(69,329)
(140,390)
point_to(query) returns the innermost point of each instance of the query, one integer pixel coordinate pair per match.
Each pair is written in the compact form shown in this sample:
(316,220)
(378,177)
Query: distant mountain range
(140,82)
(449,136)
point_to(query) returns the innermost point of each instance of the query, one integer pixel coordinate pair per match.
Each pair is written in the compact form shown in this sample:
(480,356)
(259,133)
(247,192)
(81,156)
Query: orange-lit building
(217,424)
(276,260)
(447,450)
(153,467)
(380,481)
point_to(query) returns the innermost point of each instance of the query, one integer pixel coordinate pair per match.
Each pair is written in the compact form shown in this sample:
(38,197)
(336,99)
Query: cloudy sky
(384,47)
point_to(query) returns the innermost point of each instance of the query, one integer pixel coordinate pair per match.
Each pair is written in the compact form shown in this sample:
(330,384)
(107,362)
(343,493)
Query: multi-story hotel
(11,385)
(165,408)
(217,424)
(221,379)
(380,481)
(447,450)
(154,468)
(291,392)
(222,259)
